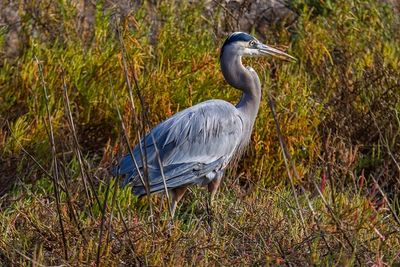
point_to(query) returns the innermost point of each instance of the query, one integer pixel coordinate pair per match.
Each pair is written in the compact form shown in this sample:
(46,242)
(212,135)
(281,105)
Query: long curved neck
(244,79)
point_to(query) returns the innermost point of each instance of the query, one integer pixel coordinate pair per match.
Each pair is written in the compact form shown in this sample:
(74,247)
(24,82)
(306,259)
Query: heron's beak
(267,50)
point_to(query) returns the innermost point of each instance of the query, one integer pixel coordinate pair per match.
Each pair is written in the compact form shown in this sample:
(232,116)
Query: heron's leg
(176,195)
(213,187)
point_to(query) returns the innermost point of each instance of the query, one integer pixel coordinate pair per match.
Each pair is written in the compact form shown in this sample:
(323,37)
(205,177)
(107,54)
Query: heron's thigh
(214,184)
(177,193)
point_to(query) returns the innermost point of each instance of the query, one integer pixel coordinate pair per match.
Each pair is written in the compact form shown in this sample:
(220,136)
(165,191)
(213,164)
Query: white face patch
(244,49)
(251,52)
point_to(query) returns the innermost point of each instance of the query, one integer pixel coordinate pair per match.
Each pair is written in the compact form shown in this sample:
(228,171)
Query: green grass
(338,107)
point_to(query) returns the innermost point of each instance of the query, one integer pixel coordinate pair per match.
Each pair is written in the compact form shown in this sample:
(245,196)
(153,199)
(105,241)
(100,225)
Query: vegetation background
(73,72)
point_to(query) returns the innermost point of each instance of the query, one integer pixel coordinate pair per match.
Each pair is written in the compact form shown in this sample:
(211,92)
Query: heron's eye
(252,43)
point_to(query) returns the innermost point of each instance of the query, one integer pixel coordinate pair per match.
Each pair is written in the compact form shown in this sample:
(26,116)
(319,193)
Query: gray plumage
(192,144)
(196,144)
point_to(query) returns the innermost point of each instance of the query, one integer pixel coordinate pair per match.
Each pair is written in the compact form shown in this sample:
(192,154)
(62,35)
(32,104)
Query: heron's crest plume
(238,38)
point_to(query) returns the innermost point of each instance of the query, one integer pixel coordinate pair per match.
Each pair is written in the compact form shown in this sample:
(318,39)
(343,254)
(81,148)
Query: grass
(338,108)
(259,228)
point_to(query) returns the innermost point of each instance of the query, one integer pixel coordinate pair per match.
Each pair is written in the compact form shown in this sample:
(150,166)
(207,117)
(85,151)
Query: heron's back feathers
(193,145)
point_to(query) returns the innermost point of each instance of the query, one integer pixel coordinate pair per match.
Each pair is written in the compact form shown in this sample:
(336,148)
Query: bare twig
(54,156)
(337,221)
(32,261)
(385,142)
(132,156)
(227,11)
(142,152)
(287,158)
(72,212)
(163,177)
(78,152)
(392,210)
(28,154)
(103,218)
(113,201)
(127,231)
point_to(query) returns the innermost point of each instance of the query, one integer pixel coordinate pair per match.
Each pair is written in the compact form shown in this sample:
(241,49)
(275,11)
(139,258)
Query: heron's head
(243,44)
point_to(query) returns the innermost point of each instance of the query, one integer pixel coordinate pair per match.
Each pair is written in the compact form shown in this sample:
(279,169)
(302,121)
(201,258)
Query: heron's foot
(170,227)
(210,215)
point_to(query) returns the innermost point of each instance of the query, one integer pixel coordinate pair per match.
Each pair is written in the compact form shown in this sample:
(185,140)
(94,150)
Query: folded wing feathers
(204,135)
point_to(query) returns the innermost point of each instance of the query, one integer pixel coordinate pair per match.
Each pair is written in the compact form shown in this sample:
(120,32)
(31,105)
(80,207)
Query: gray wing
(195,143)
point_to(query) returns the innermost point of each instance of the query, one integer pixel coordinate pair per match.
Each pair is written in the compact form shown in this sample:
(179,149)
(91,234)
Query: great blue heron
(196,144)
